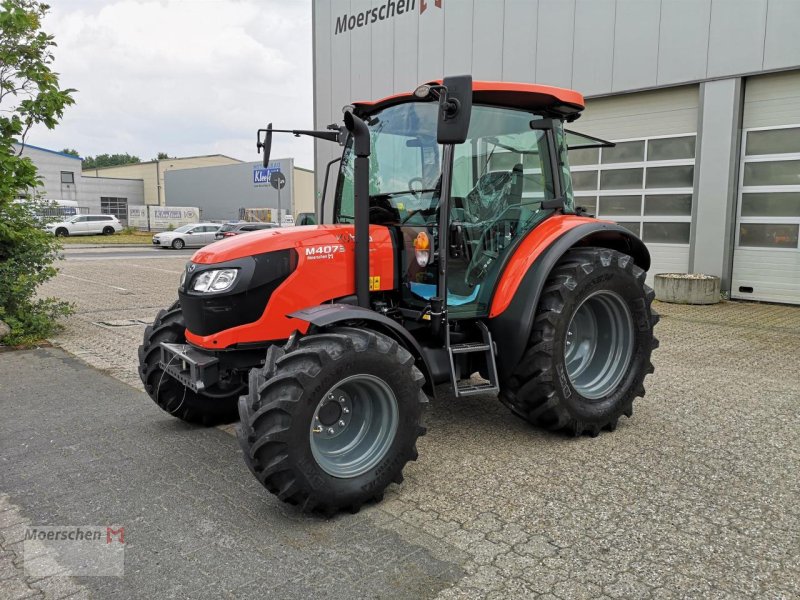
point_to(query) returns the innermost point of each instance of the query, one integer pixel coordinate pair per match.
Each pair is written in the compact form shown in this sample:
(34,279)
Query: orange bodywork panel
(526,255)
(325,270)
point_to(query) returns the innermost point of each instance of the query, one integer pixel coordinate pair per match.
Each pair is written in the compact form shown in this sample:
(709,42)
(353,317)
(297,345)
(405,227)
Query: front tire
(330,421)
(590,346)
(218,406)
(178,244)
(62,232)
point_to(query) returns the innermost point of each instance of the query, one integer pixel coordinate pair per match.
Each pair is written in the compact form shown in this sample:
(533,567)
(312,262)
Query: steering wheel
(421,183)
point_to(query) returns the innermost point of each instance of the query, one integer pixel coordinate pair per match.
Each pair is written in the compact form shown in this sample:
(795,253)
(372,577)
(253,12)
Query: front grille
(207,314)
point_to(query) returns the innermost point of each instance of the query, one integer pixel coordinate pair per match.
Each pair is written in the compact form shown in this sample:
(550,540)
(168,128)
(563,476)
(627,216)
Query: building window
(645,185)
(769,201)
(115,206)
(67,177)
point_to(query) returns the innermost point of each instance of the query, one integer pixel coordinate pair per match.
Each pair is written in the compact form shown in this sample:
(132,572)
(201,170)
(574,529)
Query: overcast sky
(185,77)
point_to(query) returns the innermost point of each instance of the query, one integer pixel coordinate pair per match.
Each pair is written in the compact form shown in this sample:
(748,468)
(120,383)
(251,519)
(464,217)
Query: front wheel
(216,405)
(331,421)
(62,232)
(178,244)
(590,346)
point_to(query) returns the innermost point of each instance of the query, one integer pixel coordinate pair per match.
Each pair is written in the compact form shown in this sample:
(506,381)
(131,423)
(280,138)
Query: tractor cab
(506,177)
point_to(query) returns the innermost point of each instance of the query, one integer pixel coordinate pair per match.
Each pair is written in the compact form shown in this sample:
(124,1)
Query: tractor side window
(501,175)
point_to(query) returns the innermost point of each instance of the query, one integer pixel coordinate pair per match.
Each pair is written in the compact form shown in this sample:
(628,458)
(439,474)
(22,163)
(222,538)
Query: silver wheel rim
(354,426)
(599,344)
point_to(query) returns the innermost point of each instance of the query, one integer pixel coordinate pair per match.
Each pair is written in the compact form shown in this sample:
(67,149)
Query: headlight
(214,281)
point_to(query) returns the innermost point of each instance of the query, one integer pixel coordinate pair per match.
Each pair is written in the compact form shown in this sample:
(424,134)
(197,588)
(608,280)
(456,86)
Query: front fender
(326,315)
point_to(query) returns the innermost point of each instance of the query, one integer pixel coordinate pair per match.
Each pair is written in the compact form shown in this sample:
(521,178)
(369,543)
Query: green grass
(139,237)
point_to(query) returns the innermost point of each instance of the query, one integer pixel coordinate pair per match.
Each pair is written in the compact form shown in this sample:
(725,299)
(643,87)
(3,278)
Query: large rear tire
(330,421)
(218,406)
(590,346)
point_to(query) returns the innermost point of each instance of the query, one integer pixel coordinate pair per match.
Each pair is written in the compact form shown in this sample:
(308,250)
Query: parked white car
(187,236)
(85,225)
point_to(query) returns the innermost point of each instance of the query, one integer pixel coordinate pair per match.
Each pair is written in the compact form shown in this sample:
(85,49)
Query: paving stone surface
(695,496)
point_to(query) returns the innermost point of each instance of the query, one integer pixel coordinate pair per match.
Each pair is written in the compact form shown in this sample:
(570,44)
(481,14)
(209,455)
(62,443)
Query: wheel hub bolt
(330,430)
(341,423)
(346,410)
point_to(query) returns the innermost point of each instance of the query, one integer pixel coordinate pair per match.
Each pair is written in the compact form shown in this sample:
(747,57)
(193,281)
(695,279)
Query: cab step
(467,387)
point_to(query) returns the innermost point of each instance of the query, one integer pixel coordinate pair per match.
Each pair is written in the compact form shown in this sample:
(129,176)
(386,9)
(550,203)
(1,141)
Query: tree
(71,152)
(162,156)
(29,95)
(109,160)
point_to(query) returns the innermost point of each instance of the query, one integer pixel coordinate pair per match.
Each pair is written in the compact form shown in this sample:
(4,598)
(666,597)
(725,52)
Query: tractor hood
(269,240)
(310,241)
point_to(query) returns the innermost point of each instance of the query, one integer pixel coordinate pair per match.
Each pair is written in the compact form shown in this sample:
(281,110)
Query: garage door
(766,260)
(646,182)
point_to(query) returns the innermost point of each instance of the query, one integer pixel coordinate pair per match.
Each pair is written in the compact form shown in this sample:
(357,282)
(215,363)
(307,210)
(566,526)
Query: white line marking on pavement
(122,289)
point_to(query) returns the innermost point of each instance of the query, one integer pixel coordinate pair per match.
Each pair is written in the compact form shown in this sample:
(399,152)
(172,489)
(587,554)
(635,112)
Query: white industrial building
(62,181)
(702,96)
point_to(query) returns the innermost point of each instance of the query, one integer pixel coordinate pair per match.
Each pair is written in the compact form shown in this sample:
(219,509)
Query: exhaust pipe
(361,147)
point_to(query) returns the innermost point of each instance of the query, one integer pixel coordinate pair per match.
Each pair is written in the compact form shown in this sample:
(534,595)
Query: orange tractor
(455,249)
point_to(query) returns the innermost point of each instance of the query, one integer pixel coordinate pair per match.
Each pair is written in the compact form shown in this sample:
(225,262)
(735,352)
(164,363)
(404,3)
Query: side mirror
(266,144)
(455,110)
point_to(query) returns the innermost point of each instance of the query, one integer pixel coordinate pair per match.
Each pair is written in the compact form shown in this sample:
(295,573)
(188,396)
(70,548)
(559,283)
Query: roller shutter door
(766,258)
(646,182)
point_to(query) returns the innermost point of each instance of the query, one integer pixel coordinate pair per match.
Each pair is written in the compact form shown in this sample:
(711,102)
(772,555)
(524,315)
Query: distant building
(220,191)
(152,172)
(62,181)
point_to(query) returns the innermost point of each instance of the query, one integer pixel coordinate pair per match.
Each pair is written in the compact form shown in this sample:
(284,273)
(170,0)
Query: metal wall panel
(406,48)
(593,54)
(519,40)
(457,37)
(323,107)
(736,37)
(554,42)
(636,44)
(430,62)
(361,55)
(683,41)
(488,29)
(781,48)
(382,45)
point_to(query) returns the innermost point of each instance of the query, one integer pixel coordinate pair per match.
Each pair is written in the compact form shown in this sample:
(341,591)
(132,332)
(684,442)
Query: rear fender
(327,315)
(511,327)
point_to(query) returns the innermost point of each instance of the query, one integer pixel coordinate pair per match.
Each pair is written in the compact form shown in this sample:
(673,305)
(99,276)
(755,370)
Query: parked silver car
(187,236)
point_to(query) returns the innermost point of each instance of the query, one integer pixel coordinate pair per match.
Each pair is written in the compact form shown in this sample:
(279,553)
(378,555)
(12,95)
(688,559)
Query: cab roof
(564,103)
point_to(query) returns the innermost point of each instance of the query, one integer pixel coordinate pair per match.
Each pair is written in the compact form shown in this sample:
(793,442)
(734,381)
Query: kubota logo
(389,10)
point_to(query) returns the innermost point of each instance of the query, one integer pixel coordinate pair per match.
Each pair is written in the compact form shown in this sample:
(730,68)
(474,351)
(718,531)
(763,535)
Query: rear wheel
(331,421)
(178,244)
(589,350)
(218,405)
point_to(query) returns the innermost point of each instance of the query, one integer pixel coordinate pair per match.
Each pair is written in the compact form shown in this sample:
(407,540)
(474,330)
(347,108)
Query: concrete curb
(85,246)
